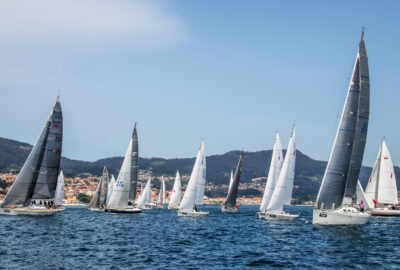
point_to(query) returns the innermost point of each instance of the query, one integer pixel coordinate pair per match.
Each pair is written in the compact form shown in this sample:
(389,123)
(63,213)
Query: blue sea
(158,239)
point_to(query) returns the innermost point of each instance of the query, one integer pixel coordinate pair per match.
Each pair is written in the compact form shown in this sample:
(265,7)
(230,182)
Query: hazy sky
(231,72)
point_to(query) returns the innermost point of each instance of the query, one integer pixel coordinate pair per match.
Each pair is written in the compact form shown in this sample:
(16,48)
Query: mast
(231,198)
(38,176)
(340,179)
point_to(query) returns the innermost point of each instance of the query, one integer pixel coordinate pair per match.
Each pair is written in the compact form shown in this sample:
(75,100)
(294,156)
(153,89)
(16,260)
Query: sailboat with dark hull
(335,203)
(34,189)
(99,199)
(124,190)
(230,205)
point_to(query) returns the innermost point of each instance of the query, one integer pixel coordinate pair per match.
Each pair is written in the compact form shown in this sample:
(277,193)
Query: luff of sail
(231,198)
(284,185)
(273,173)
(382,187)
(134,174)
(59,197)
(176,193)
(340,175)
(189,197)
(38,176)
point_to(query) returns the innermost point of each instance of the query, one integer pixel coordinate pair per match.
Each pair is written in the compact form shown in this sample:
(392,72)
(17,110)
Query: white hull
(341,216)
(276,216)
(147,207)
(173,208)
(125,211)
(192,213)
(385,212)
(27,211)
(229,209)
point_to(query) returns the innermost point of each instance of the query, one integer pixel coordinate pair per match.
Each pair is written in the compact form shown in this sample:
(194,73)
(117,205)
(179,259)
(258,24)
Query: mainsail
(343,169)
(134,173)
(201,182)
(282,193)
(273,173)
(120,194)
(110,187)
(176,192)
(231,198)
(59,197)
(230,181)
(382,187)
(144,196)
(189,197)
(104,187)
(38,176)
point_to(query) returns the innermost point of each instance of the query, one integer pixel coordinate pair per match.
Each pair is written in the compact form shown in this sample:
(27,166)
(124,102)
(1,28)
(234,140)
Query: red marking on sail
(386,157)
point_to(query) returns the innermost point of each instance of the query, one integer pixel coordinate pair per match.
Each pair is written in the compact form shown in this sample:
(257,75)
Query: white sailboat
(282,193)
(273,174)
(120,201)
(59,195)
(176,193)
(335,203)
(161,194)
(194,193)
(144,200)
(381,192)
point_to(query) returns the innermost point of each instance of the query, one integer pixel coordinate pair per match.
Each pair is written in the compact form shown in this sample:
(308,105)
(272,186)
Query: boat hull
(96,209)
(339,217)
(276,216)
(124,211)
(26,211)
(192,213)
(229,210)
(385,212)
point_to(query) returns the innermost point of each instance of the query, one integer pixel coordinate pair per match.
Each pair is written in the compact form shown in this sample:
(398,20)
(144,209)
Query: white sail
(201,182)
(382,187)
(110,187)
(284,186)
(59,196)
(360,196)
(143,198)
(273,173)
(176,193)
(163,189)
(189,197)
(120,193)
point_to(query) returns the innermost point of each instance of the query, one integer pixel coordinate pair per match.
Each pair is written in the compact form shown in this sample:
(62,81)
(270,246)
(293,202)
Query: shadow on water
(158,239)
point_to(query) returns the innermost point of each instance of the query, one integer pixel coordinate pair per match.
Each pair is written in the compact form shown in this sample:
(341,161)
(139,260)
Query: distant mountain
(307,180)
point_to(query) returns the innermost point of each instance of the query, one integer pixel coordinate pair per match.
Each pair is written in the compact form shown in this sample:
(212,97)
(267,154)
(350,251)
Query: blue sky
(231,72)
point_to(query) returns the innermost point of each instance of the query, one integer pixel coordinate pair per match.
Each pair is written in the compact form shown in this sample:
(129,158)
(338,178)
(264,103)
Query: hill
(308,173)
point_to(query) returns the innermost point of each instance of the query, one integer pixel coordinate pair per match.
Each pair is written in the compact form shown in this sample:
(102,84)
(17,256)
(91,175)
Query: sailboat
(335,203)
(59,195)
(110,187)
(282,193)
(99,199)
(33,191)
(176,193)
(122,197)
(230,205)
(381,192)
(194,193)
(161,194)
(144,200)
(273,174)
